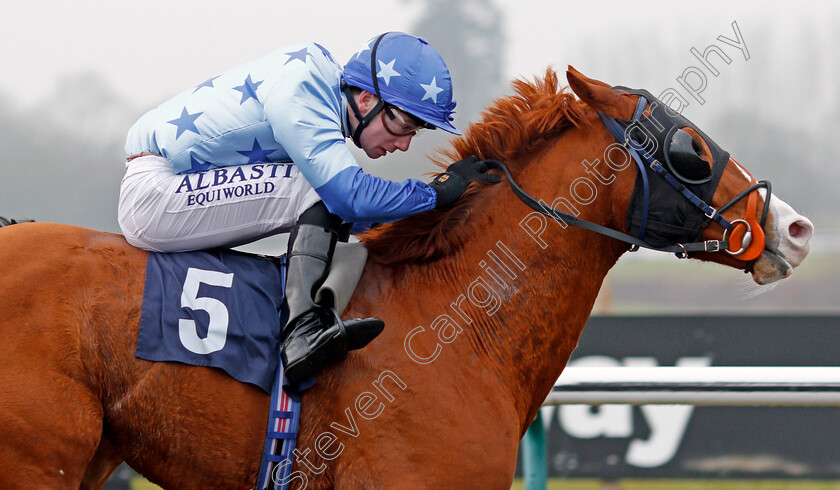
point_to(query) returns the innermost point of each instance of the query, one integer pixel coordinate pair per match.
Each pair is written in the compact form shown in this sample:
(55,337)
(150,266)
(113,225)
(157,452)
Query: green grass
(664,484)
(648,484)
(139,483)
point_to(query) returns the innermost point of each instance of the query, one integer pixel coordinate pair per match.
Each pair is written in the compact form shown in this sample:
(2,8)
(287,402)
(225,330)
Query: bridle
(745,234)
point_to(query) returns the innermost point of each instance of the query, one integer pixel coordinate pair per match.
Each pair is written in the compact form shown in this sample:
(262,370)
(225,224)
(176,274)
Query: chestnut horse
(483,303)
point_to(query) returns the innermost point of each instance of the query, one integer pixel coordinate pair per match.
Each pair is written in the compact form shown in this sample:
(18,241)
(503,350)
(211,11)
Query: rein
(749,239)
(680,250)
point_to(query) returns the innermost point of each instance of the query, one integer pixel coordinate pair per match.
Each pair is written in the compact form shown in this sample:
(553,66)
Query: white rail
(716,386)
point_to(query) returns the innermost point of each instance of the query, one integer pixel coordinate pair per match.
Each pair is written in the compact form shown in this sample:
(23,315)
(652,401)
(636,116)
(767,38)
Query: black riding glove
(452,184)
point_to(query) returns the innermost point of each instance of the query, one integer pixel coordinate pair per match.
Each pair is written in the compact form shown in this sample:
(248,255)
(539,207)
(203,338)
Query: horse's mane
(509,130)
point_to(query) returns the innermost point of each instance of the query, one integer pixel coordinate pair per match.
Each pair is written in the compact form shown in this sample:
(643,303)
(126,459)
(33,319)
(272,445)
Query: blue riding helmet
(408,73)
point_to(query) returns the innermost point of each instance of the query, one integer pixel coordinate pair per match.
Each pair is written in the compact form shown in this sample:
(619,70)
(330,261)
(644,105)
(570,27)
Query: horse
(484,303)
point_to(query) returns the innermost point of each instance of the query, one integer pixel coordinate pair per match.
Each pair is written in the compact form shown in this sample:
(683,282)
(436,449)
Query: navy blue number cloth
(213,308)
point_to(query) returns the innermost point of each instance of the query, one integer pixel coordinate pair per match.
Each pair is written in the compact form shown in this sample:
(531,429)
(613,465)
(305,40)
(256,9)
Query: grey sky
(153,49)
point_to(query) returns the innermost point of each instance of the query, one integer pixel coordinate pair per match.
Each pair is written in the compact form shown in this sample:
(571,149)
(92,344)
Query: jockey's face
(376,139)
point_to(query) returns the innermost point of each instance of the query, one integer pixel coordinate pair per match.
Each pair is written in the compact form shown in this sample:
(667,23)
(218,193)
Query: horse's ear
(599,96)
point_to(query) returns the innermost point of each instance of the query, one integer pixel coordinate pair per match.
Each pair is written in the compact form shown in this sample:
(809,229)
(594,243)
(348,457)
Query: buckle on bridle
(714,213)
(715,246)
(683,254)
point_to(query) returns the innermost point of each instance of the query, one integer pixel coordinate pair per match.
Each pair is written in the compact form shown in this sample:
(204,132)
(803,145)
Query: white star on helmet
(365,47)
(386,71)
(432,90)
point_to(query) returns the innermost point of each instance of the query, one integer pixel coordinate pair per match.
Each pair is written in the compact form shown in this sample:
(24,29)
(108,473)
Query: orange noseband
(746,240)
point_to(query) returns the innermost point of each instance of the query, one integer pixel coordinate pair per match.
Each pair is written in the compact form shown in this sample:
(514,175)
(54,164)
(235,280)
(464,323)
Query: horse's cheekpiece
(657,212)
(679,191)
(679,212)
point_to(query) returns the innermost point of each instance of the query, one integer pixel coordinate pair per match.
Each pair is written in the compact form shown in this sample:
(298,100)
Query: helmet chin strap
(363,120)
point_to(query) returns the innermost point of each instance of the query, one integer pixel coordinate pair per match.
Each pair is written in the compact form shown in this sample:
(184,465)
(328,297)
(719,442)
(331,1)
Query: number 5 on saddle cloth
(222,309)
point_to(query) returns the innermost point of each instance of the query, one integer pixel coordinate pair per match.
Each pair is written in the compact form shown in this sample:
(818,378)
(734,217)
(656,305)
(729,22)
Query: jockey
(261,149)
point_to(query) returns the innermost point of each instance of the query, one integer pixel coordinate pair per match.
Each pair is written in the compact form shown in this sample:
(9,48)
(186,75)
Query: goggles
(400,123)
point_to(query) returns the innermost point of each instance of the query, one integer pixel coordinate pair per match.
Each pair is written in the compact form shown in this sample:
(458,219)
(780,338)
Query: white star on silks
(365,47)
(386,71)
(432,90)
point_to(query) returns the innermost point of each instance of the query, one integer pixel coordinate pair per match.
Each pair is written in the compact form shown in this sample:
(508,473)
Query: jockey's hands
(452,184)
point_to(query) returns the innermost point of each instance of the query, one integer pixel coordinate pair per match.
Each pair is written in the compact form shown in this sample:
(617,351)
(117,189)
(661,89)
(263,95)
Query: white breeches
(229,206)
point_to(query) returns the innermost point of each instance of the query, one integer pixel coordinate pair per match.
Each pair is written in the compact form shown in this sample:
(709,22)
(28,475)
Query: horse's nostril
(799,230)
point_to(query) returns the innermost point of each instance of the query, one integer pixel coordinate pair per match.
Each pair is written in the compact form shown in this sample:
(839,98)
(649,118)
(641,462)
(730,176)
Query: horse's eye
(683,157)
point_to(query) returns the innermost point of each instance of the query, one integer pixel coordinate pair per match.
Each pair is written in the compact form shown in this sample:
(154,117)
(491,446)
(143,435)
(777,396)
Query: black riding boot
(314,335)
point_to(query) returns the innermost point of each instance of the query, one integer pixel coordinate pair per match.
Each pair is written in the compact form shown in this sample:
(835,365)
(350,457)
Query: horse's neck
(542,316)
(521,307)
